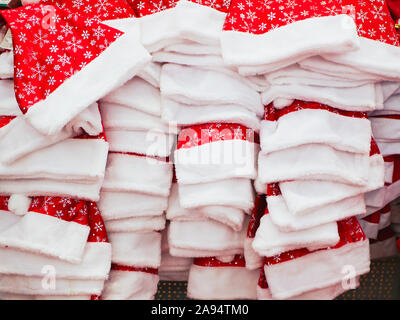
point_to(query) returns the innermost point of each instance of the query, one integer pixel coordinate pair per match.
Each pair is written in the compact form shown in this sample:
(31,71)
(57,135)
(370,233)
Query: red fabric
(260,16)
(147,7)
(63,208)
(213,262)
(394,7)
(50,46)
(262,281)
(5,120)
(133,269)
(273,190)
(99,10)
(273,114)
(198,135)
(384,234)
(4,203)
(260,205)
(98,231)
(374,217)
(349,229)
(374,149)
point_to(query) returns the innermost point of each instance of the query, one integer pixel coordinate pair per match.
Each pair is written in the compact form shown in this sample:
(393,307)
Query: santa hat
(298,124)
(287,221)
(86,278)
(199,238)
(327,293)
(121,205)
(236,193)
(211,152)
(211,279)
(136,249)
(230,216)
(137,173)
(302,197)
(18,138)
(270,241)
(137,94)
(254,41)
(321,268)
(131,283)
(182,84)
(253,259)
(366,97)
(379,43)
(314,162)
(72,51)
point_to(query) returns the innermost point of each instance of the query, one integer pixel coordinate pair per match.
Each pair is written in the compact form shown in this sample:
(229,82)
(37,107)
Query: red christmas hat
(272,34)
(60,59)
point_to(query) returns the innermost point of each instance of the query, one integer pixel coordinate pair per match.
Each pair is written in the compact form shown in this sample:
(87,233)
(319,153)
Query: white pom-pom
(19,204)
(226,259)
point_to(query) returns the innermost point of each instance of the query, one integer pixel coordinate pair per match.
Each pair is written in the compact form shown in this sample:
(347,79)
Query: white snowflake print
(98,227)
(40,38)
(19,73)
(38,71)
(18,49)
(64,59)
(59,214)
(251,15)
(87,55)
(140,5)
(77,4)
(362,15)
(98,32)
(289,17)
(29,88)
(53,48)
(65,202)
(51,81)
(49,59)
(66,29)
(102,5)
(378,13)
(22,37)
(74,44)
(271,16)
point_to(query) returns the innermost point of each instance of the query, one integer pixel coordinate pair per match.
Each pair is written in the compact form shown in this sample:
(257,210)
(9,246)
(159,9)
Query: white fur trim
(116,59)
(151,73)
(252,258)
(128,285)
(301,39)
(204,235)
(185,115)
(95,264)
(302,197)
(197,253)
(136,249)
(286,221)
(385,129)
(370,229)
(373,57)
(77,160)
(216,160)
(8,103)
(120,205)
(6,65)
(232,217)
(313,162)
(237,193)
(318,269)
(137,94)
(301,127)
(225,283)
(150,143)
(197,86)
(360,98)
(270,241)
(137,173)
(40,233)
(136,224)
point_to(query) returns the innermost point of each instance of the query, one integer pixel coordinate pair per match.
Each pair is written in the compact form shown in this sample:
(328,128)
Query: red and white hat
(321,268)
(287,221)
(261,37)
(131,283)
(211,279)
(302,197)
(22,272)
(310,122)
(271,241)
(60,51)
(379,42)
(215,151)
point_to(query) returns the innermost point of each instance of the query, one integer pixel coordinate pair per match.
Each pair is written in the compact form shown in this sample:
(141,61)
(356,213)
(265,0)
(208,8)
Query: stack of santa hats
(52,237)
(136,187)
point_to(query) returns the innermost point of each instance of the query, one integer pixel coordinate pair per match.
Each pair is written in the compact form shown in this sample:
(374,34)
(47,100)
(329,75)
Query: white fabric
(136,224)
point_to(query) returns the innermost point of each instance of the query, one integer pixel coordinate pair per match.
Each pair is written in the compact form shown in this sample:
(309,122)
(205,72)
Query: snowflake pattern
(43,55)
(372,18)
(72,210)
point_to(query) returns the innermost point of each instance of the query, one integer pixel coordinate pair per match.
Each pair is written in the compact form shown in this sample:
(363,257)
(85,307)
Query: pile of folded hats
(249,148)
